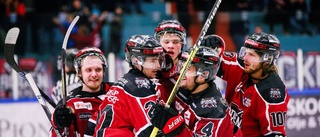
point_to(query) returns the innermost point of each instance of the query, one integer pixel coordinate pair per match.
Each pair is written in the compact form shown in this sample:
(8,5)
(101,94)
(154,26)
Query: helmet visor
(150,62)
(252,55)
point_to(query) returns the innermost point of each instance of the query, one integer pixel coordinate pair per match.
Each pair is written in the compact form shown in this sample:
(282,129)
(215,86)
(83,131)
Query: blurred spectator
(203,7)
(257,29)
(276,14)
(128,4)
(298,17)
(12,14)
(84,37)
(315,14)
(239,25)
(183,15)
(116,27)
(42,27)
(80,9)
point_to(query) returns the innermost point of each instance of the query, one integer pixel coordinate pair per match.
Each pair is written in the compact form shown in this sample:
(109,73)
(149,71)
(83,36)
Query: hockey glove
(167,119)
(63,116)
(166,63)
(214,42)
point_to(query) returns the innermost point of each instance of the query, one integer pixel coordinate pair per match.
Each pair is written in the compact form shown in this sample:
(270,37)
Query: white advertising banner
(23,119)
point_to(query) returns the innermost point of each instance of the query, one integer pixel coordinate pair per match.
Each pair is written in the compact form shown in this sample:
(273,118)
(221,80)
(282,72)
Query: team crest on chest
(208,102)
(142,82)
(275,93)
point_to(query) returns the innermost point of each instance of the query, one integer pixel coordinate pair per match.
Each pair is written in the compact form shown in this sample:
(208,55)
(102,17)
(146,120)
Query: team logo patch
(142,82)
(246,101)
(82,105)
(275,93)
(111,96)
(208,102)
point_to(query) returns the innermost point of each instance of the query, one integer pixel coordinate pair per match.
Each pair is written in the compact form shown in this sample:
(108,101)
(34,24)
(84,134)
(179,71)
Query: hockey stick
(63,72)
(191,56)
(63,52)
(10,43)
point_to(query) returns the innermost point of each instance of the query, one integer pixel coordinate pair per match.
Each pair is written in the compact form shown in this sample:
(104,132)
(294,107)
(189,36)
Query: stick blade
(12,36)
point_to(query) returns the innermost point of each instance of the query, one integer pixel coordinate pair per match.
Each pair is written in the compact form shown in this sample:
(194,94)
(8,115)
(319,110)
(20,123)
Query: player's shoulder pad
(211,107)
(212,103)
(272,89)
(138,86)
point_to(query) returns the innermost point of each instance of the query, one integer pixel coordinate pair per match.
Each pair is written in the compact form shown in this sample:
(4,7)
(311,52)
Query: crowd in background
(39,20)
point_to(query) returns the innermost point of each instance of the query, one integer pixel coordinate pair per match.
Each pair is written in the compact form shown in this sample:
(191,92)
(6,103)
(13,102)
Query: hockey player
(72,80)
(90,65)
(257,96)
(172,37)
(198,99)
(125,112)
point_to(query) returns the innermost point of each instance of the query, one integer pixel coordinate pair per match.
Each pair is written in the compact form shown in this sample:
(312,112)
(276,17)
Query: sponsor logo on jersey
(111,96)
(84,116)
(142,82)
(208,102)
(275,93)
(83,105)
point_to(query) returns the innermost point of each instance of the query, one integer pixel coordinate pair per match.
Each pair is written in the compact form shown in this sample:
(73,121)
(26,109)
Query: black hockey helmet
(90,51)
(171,26)
(140,47)
(69,57)
(205,60)
(267,45)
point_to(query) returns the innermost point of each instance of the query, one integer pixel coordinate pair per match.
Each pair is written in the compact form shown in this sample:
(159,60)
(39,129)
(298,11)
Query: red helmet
(171,26)
(89,51)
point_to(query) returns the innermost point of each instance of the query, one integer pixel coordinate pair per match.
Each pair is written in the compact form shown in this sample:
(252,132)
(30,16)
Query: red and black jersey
(126,108)
(205,113)
(257,109)
(84,105)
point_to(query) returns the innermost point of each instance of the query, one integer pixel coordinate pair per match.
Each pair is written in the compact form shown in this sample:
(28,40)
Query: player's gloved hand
(166,63)
(214,42)
(63,116)
(167,120)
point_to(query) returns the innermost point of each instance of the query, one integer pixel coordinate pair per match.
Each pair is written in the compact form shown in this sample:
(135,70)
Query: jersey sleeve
(92,122)
(271,115)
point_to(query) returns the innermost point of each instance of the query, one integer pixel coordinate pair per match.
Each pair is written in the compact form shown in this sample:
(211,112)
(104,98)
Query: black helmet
(267,45)
(141,46)
(171,26)
(206,59)
(69,57)
(90,51)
